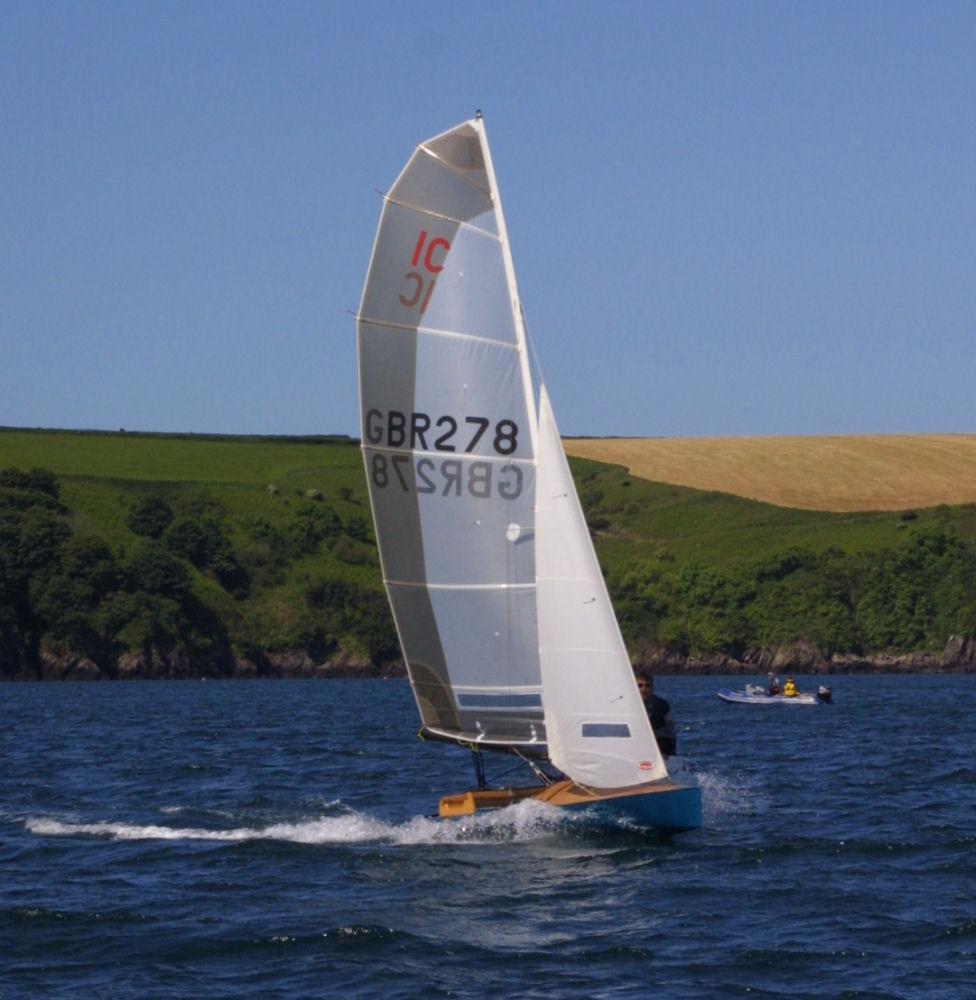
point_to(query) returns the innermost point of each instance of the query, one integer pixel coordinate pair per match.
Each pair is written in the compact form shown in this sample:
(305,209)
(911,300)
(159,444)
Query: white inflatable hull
(745,698)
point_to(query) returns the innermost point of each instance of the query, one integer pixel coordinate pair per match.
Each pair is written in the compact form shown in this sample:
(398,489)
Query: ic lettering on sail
(419,286)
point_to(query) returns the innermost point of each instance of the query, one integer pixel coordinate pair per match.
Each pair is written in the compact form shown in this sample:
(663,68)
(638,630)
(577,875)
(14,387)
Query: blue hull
(672,811)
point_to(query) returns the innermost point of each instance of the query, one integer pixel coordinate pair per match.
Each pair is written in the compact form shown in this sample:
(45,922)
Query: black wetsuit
(662,722)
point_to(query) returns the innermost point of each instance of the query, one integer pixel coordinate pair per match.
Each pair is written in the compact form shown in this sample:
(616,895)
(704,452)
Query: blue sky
(726,218)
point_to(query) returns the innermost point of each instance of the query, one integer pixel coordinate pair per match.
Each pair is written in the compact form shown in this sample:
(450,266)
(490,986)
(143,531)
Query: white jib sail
(597,728)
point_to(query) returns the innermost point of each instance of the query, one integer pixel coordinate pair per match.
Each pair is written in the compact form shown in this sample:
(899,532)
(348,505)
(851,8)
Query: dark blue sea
(274,839)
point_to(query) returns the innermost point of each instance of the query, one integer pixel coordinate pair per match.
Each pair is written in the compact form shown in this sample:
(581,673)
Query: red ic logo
(432,256)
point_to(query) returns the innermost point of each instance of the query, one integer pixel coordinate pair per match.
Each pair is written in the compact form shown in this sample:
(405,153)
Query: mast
(479,125)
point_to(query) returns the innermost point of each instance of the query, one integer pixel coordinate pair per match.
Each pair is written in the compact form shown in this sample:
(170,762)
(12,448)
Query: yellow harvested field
(844,473)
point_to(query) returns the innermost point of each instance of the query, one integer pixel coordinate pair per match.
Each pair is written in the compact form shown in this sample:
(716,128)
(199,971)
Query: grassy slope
(655,520)
(184,459)
(102,474)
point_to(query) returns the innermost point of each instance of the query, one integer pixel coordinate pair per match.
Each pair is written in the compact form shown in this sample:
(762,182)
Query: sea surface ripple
(276,839)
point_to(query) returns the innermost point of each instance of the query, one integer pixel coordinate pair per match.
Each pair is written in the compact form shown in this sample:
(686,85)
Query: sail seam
(462,223)
(489,688)
(580,649)
(453,169)
(431,331)
(464,738)
(423,585)
(470,456)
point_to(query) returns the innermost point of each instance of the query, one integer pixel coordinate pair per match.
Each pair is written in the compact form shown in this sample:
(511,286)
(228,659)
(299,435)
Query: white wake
(524,821)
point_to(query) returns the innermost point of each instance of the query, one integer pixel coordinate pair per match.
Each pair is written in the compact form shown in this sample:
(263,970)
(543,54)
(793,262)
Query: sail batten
(423,210)
(428,332)
(450,166)
(460,586)
(407,452)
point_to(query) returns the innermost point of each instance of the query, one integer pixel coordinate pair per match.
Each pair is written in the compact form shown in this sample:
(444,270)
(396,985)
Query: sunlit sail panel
(417,395)
(448,175)
(436,274)
(464,536)
(490,692)
(485,655)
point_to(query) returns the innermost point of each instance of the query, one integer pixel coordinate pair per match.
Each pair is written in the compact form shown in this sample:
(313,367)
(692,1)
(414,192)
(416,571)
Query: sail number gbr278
(445,476)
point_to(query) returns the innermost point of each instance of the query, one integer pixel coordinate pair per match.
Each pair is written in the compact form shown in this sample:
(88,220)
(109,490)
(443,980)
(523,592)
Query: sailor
(789,689)
(659,712)
(773,685)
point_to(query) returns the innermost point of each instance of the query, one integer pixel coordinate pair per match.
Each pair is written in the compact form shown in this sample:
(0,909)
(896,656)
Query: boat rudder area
(469,802)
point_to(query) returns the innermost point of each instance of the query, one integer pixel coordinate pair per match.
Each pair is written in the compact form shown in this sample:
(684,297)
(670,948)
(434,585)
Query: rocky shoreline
(958,657)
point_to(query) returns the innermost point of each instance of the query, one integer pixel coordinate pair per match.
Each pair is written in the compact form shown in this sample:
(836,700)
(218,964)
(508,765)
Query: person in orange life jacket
(789,688)
(659,712)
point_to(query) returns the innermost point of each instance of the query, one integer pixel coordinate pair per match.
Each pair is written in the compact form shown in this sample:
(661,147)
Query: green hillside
(167,555)
(274,538)
(705,572)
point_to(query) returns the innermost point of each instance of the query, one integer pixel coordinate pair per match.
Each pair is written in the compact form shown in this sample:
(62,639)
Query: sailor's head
(645,684)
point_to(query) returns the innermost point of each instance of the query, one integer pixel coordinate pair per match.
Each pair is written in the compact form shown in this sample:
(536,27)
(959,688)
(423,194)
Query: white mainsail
(501,609)
(448,428)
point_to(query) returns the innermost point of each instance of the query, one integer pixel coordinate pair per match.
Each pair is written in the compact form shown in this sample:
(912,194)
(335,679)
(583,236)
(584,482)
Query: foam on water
(728,796)
(524,821)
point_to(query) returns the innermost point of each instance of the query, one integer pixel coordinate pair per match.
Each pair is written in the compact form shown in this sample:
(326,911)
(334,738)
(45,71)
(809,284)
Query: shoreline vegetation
(151,556)
(800,659)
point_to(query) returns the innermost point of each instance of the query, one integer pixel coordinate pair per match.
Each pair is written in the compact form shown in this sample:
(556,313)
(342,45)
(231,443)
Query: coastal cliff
(958,657)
